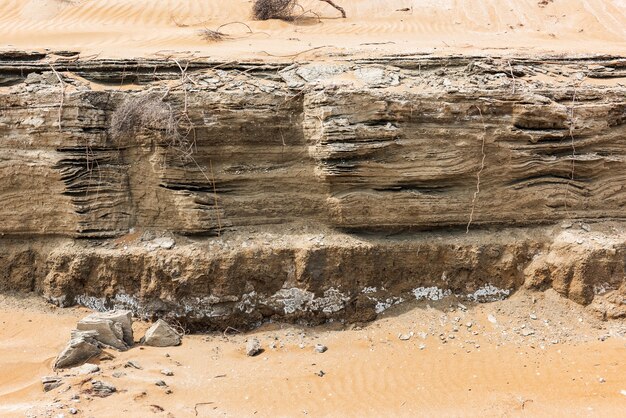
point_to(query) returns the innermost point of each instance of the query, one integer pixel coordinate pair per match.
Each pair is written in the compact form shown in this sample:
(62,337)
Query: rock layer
(349,151)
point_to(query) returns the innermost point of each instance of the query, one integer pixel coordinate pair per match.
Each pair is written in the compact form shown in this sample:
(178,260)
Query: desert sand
(534,354)
(121,28)
(491,359)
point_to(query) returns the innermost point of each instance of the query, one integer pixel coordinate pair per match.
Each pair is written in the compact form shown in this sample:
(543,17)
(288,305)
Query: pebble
(469,324)
(133,364)
(321,373)
(405,337)
(73,411)
(160,383)
(167,372)
(533,316)
(422,346)
(320,348)
(492,319)
(602,380)
(253,347)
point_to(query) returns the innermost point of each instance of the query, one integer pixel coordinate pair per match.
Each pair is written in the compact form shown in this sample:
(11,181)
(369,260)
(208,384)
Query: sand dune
(122,28)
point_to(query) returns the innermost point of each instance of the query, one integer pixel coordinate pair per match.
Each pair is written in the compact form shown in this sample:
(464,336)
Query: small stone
(321,373)
(405,337)
(253,347)
(462,307)
(527,332)
(602,380)
(85,369)
(117,375)
(585,227)
(167,372)
(451,337)
(533,316)
(320,348)
(102,389)
(554,341)
(492,319)
(133,364)
(168,391)
(161,334)
(73,411)
(469,324)
(422,346)
(51,382)
(160,383)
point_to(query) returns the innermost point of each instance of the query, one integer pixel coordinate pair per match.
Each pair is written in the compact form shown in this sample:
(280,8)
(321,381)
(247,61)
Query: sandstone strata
(314,190)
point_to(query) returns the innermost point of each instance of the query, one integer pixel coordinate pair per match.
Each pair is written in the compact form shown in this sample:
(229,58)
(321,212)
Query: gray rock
(81,348)
(102,389)
(85,369)
(161,334)
(405,337)
(253,347)
(133,364)
(167,372)
(51,382)
(114,328)
(73,411)
(160,383)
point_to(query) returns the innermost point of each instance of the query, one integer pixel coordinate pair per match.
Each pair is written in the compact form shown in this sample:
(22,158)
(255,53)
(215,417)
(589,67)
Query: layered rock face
(315,190)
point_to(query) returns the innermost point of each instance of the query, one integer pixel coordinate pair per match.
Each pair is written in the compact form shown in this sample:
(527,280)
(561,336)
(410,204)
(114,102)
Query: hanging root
(62,83)
(480,171)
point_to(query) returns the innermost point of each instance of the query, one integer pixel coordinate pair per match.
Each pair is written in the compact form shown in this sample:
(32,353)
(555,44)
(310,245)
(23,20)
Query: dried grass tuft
(147,111)
(213,35)
(273,9)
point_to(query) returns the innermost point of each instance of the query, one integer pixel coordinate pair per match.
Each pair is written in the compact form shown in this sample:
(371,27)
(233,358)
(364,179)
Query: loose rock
(85,369)
(405,337)
(161,334)
(320,348)
(81,348)
(102,389)
(253,347)
(114,328)
(167,372)
(51,382)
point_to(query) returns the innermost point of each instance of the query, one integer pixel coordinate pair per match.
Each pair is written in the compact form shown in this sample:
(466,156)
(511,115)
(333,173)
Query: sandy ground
(122,28)
(487,360)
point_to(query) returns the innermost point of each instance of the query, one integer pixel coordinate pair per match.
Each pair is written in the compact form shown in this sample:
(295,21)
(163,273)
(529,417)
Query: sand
(122,28)
(571,365)
(566,367)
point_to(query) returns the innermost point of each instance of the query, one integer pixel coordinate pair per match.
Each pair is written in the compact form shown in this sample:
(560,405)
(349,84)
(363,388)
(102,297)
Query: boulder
(81,347)
(161,334)
(114,328)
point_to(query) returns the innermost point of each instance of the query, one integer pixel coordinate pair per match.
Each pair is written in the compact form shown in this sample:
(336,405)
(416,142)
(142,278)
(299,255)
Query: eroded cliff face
(311,191)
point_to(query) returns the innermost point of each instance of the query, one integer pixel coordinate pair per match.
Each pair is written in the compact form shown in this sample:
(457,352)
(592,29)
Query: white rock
(161,334)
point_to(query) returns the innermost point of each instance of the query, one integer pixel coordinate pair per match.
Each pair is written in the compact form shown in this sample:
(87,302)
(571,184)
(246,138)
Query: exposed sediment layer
(354,150)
